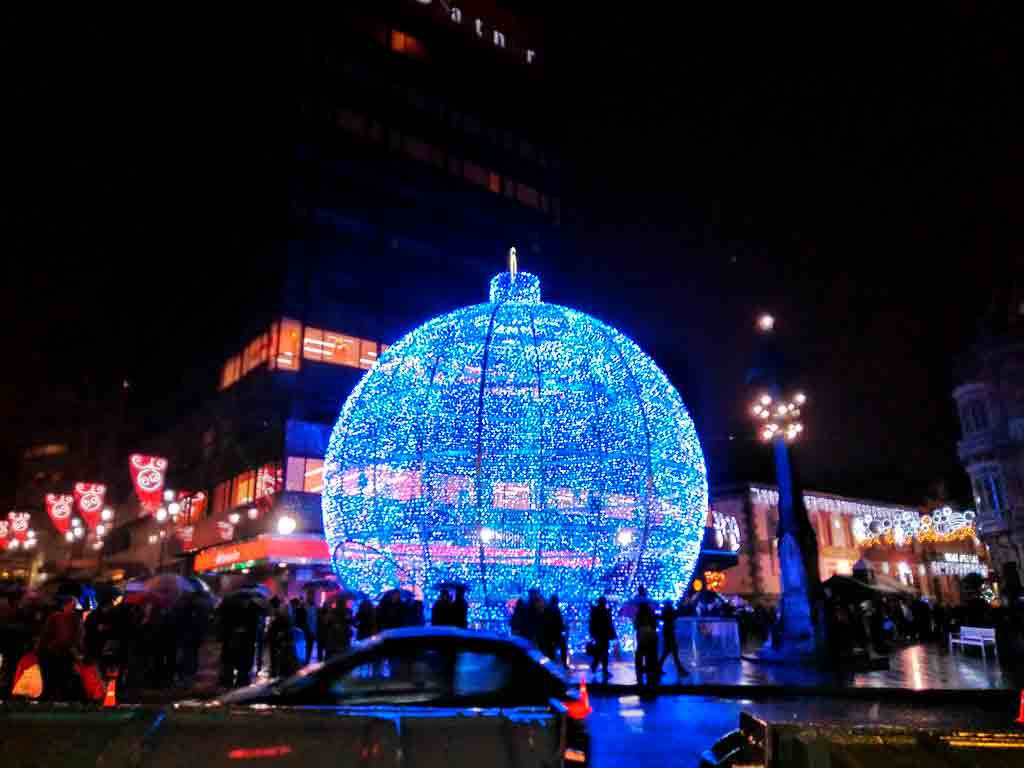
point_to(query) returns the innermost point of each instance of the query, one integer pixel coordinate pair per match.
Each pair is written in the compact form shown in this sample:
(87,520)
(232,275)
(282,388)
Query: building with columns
(927,553)
(990,403)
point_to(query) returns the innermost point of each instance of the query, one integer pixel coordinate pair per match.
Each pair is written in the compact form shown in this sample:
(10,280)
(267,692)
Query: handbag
(92,683)
(28,677)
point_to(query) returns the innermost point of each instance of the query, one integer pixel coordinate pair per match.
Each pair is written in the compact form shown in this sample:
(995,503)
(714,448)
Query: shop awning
(292,550)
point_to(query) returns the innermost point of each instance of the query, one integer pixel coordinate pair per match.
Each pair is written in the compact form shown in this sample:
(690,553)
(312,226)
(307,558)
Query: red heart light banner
(5,533)
(19,524)
(148,475)
(89,502)
(59,507)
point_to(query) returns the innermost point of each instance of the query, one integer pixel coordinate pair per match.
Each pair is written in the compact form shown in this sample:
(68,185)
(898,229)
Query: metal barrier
(708,637)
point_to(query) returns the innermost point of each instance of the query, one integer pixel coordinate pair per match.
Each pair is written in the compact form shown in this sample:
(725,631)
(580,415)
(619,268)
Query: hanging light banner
(58,507)
(5,532)
(89,502)
(19,525)
(148,474)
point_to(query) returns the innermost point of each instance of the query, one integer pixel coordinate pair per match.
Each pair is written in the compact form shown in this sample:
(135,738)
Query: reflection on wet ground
(629,730)
(916,667)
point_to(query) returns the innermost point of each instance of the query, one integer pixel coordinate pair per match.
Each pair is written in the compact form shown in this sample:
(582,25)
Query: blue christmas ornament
(514,445)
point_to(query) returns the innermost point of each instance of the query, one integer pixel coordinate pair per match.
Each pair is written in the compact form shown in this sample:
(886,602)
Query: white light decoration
(69,536)
(13,544)
(79,533)
(168,495)
(625,537)
(765,323)
(76,522)
(487,535)
(161,515)
(97,545)
(107,514)
(101,530)
(254,513)
(153,538)
(530,419)
(727,531)
(174,508)
(31,533)
(285,525)
(234,518)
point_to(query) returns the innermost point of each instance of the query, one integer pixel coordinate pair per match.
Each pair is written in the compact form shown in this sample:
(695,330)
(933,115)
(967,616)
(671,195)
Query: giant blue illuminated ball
(513,445)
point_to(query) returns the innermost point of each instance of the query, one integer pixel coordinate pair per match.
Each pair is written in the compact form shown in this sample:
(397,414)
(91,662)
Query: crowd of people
(146,645)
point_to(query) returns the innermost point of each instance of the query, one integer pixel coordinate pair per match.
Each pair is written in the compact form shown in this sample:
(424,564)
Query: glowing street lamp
(107,514)
(168,495)
(161,515)
(765,323)
(286,525)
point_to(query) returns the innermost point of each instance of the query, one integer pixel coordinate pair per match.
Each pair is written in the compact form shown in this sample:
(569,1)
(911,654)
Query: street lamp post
(778,416)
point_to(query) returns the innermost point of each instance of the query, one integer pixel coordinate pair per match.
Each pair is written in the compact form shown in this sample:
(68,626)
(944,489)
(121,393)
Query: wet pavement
(916,667)
(628,730)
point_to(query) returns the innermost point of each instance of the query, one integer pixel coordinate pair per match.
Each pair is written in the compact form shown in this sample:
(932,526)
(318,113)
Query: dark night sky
(857,174)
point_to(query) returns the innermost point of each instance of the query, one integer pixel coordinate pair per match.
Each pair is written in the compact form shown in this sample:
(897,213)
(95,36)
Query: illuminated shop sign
(478,27)
(276,549)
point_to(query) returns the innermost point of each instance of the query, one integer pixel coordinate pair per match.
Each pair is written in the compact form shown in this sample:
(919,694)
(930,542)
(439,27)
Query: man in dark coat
(602,633)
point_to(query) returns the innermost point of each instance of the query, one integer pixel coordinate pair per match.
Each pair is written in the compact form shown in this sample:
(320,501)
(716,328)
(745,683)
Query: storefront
(284,564)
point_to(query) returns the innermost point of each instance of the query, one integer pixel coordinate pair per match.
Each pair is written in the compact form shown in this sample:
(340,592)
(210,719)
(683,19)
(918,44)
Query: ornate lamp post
(777,413)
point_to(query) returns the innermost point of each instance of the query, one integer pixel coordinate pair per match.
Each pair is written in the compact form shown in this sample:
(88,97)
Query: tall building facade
(990,404)
(406,182)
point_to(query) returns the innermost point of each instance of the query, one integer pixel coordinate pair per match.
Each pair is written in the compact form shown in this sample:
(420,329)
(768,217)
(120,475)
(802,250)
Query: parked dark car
(435,670)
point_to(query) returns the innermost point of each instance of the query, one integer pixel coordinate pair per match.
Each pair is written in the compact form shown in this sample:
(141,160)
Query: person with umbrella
(59,648)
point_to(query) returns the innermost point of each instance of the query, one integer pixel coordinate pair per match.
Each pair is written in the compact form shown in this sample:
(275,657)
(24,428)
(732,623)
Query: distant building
(404,181)
(925,553)
(990,402)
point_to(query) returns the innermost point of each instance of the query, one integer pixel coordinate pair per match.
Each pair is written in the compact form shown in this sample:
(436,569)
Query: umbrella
(326,583)
(170,584)
(246,596)
(456,585)
(141,598)
(404,595)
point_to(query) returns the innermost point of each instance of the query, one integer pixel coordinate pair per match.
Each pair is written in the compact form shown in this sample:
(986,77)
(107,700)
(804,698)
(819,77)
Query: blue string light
(514,445)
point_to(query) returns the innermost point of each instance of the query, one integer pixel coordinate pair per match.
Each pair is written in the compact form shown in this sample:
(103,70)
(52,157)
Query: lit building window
(405,44)
(268,480)
(255,353)
(243,489)
(221,493)
(367,353)
(286,356)
(49,449)
(304,474)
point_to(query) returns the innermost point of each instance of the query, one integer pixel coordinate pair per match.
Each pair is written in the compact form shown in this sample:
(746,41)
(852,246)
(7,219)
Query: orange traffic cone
(579,708)
(110,699)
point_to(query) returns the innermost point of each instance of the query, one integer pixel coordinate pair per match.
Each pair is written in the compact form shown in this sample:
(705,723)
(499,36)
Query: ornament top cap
(514,285)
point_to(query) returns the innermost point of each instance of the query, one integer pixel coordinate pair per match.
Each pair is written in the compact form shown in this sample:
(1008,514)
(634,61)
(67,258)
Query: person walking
(555,647)
(283,661)
(669,643)
(602,633)
(59,648)
(104,635)
(460,608)
(311,624)
(441,615)
(645,624)
(301,622)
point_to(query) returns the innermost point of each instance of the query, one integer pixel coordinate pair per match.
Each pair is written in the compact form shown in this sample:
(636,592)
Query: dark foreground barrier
(795,745)
(189,736)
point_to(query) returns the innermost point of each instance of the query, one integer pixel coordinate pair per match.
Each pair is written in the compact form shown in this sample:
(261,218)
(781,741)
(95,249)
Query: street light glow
(234,518)
(765,323)
(625,537)
(168,495)
(161,515)
(253,513)
(174,507)
(79,533)
(69,536)
(800,398)
(107,514)
(285,525)
(100,530)
(766,400)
